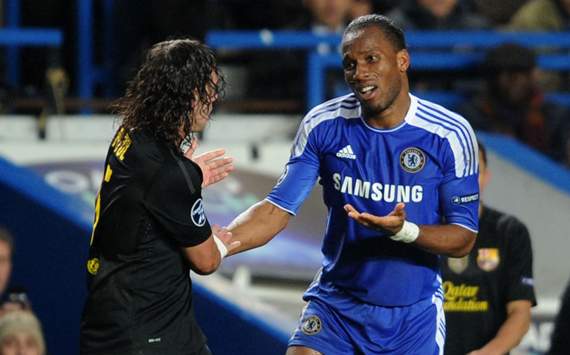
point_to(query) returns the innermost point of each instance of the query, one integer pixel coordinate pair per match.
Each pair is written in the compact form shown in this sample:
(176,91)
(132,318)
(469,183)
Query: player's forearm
(450,239)
(257,225)
(510,334)
(204,258)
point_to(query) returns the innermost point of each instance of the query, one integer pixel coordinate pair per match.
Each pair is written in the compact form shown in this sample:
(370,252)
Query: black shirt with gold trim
(478,286)
(148,208)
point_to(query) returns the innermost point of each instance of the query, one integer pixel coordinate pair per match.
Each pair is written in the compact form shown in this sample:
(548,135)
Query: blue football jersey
(429,162)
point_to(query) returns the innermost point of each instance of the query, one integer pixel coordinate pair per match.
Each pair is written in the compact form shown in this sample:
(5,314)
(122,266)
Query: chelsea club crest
(412,160)
(311,325)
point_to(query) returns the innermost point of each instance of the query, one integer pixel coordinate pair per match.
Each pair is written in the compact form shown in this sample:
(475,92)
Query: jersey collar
(410,114)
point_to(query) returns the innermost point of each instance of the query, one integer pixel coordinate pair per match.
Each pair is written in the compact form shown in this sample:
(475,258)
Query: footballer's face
(202,110)
(373,68)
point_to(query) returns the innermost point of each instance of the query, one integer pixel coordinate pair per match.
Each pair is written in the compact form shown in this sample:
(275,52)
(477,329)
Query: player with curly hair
(150,227)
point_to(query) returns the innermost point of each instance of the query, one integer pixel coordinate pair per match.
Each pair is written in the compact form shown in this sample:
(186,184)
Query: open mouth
(367,92)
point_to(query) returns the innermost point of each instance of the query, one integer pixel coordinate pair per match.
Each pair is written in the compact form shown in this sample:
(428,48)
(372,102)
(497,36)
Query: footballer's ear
(403,60)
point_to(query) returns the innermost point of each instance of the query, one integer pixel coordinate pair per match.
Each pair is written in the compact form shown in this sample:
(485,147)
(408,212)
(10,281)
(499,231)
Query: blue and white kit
(429,162)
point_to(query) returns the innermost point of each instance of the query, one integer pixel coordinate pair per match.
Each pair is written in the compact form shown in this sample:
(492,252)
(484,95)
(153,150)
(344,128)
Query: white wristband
(221,246)
(408,234)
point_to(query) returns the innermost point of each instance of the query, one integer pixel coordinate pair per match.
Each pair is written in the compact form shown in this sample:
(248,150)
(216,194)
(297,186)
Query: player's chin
(373,107)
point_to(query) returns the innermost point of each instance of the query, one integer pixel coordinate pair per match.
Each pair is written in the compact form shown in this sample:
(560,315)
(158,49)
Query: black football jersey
(478,286)
(139,288)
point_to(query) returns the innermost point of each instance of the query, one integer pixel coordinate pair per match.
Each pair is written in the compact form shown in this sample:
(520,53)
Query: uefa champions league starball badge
(197,213)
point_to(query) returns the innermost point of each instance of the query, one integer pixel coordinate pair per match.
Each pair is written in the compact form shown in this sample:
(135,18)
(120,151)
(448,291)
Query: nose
(360,72)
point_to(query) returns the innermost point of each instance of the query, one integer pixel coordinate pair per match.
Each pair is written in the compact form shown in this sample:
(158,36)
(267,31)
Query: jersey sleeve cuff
(192,243)
(466,227)
(279,206)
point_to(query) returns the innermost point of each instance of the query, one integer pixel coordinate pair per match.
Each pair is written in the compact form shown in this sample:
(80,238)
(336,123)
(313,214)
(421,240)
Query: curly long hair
(161,97)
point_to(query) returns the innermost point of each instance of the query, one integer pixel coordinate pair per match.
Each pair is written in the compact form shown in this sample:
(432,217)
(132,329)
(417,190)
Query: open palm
(214,165)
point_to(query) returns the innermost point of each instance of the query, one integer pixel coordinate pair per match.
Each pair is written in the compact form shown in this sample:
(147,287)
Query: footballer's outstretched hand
(214,165)
(393,222)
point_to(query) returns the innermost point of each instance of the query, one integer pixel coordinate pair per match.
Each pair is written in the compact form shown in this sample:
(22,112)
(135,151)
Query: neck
(393,115)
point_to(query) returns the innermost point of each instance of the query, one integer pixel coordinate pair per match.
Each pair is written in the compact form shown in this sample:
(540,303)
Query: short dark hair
(509,57)
(161,95)
(6,237)
(483,151)
(393,33)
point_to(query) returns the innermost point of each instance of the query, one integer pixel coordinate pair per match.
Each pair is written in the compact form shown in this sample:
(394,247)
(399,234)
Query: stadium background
(62,69)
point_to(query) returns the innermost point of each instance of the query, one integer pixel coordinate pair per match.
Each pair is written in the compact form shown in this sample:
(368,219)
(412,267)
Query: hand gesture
(226,237)
(215,167)
(391,223)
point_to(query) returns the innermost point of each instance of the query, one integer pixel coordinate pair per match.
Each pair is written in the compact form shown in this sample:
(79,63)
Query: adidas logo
(346,152)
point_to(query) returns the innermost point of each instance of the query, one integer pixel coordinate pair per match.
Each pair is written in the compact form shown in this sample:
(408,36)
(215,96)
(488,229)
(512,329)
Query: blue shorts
(337,323)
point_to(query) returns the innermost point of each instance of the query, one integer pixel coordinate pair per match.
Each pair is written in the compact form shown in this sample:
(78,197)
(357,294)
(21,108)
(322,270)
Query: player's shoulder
(138,153)
(438,119)
(343,107)
(146,148)
(454,133)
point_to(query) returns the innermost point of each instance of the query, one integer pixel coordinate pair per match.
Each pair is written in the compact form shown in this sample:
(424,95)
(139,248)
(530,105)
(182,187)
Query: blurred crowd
(507,90)
(20,330)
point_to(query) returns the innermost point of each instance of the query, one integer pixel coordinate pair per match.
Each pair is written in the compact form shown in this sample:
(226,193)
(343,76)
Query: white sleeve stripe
(309,124)
(279,206)
(346,98)
(463,128)
(450,136)
(332,108)
(460,142)
(458,128)
(465,136)
(464,226)
(460,121)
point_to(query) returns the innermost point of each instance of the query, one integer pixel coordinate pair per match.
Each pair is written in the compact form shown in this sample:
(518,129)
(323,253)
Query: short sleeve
(174,199)
(459,190)
(301,171)
(519,262)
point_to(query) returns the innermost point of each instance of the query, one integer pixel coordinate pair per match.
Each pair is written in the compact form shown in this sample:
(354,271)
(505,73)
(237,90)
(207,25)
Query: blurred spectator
(490,290)
(21,334)
(325,16)
(497,15)
(140,23)
(281,75)
(542,15)
(560,342)
(545,15)
(513,104)
(15,298)
(6,246)
(365,7)
(436,15)
(361,8)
